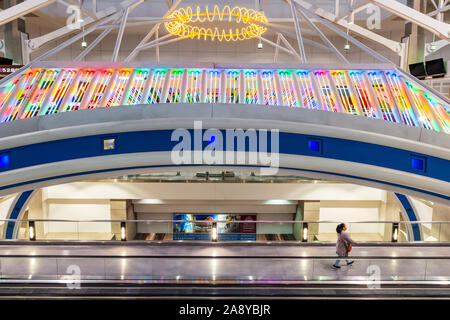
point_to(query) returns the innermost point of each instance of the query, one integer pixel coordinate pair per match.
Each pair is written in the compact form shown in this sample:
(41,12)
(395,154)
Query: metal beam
(57,48)
(341,33)
(94,43)
(68,3)
(441,29)
(123,22)
(322,36)
(38,42)
(367,34)
(22,9)
(277,46)
(158,43)
(298,33)
(287,44)
(152,43)
(135,51)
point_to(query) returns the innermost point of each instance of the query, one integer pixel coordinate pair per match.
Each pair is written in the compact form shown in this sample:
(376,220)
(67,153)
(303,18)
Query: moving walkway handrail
(216,221)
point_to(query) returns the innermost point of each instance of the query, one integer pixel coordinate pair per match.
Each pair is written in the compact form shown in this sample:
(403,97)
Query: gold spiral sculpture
(181,20)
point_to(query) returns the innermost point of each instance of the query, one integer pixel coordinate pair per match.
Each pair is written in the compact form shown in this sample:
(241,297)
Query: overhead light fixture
(31,231)
(123,231)
(347,46)
(432,46)
(260,45)
(214,232)
(394,232)
(305,232)
(187,23)
(83,44)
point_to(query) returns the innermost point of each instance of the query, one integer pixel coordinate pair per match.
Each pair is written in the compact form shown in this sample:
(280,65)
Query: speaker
(418,70)
(435,68)
(6,61)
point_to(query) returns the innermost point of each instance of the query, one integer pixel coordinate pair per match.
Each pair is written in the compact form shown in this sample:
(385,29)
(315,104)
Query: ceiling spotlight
(260,45)
(347,46)
(84,44)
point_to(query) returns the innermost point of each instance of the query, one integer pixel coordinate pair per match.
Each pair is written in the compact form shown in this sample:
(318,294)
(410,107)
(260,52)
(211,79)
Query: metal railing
(216,230)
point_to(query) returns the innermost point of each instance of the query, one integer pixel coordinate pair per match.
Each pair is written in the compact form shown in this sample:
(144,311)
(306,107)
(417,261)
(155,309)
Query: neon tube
(401,98)
(24,91)
(39,94)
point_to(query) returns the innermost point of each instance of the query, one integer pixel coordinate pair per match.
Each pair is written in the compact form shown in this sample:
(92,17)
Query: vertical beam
(275,57)
(157,48)
(322,36)
(120,34)
(298,33)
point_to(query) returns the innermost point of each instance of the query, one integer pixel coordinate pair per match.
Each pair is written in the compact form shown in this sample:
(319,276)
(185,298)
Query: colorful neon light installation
(269,92)
(174,89)
(156,86)
(308,99)
(342,87)
(406,111)
(441,114)
(6,91)
(362,92)
(212,86)
(39,94)
(374,93)
(136,90)
(251,87)
(288,94)
(181,20)
(78,91)
(232,86)
(118,88)
(383,97)
(26,85)
(328,96)
(99,88)
(193,86)
(426,116)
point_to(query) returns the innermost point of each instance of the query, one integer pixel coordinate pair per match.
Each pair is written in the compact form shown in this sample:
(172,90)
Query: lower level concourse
(222,234)
(240,206)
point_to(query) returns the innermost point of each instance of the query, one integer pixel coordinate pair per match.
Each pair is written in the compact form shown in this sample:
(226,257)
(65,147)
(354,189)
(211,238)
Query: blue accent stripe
(160,140)
(15,213)
(411,215)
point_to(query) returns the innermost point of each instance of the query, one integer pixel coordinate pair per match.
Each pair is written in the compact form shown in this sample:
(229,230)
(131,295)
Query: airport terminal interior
(211,148)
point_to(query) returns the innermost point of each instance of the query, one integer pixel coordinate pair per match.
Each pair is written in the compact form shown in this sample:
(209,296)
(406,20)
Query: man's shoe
(349,263)
(336,267)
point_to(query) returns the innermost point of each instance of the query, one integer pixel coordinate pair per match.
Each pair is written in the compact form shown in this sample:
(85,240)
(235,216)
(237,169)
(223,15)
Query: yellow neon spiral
(180,19)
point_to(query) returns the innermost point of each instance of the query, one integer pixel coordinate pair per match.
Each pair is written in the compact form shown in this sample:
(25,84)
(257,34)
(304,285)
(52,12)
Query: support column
(15,36)
(299,216)
(416,50)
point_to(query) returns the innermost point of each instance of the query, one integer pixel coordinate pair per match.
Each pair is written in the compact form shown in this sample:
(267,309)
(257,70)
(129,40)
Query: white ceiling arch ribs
(439,28)
(22,9)
(36,43)
(392,45)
